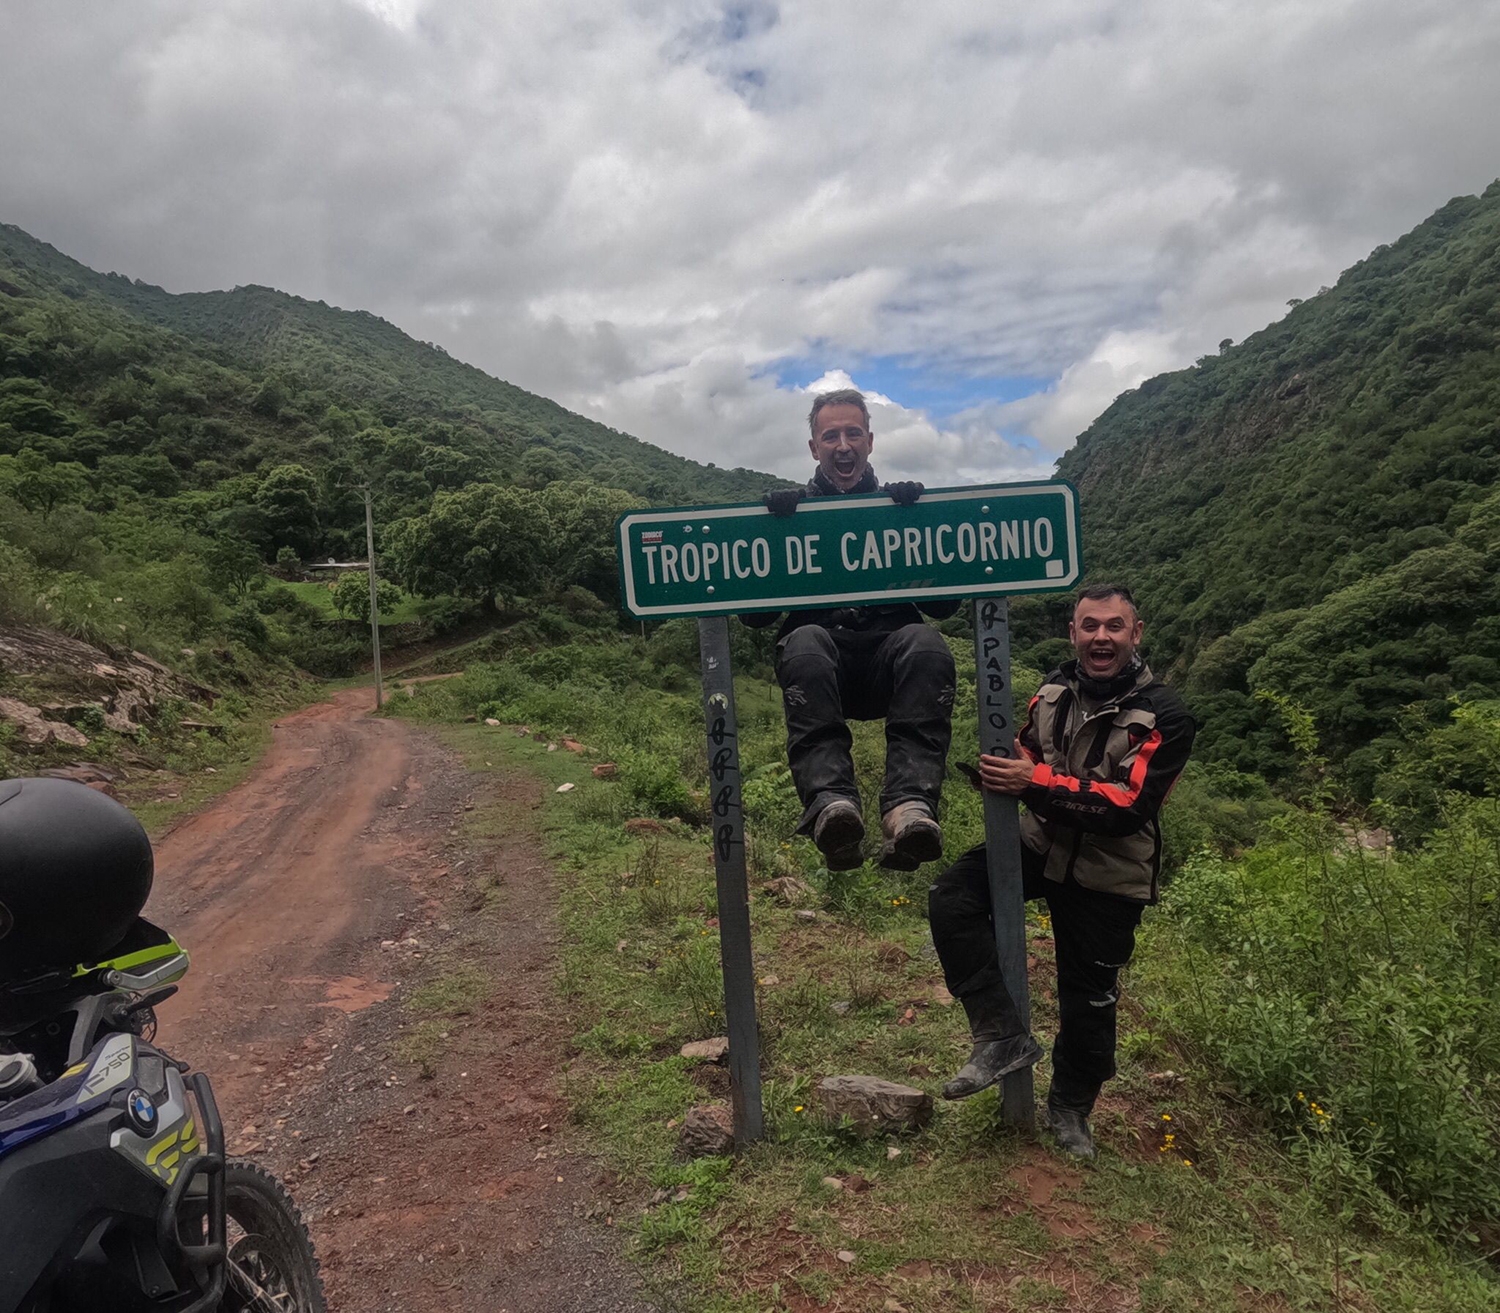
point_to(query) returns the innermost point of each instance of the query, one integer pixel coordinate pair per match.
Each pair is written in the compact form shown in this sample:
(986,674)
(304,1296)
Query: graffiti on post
(996,700)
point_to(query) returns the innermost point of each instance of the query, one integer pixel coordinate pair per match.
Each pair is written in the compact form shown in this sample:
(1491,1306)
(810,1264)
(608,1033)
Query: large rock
(34,729)
(874,1106)
(85,772)
(707,1131)
(130,687)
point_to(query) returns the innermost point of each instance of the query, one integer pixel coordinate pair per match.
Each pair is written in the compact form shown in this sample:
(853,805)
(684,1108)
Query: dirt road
(314,898)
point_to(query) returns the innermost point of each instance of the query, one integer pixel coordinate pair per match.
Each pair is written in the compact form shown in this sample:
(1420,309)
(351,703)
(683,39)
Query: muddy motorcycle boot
(1070,1128)
(912,837)
(991,1061)
(838,832)
(1001,1044)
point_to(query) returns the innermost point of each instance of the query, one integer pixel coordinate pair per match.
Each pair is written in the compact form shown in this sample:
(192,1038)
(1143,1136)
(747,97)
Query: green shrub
(691,971)
(655,787)
(245,624)
(351,596)
(1353,995)
(442,615)
(323,651)
(91,721)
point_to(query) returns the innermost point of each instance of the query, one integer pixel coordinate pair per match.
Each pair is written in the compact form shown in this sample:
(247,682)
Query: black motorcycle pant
(1094,934)
(831,676)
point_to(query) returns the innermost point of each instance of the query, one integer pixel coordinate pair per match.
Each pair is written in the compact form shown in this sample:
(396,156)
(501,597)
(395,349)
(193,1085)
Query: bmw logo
(142,1111)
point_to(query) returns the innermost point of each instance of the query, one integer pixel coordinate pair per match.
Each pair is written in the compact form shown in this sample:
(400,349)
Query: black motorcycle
(115,1192)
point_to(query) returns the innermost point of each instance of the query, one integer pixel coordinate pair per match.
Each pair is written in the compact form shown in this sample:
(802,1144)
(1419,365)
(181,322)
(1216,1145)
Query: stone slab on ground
(872,1105)
(34,729)
(707,1050)
(789,891)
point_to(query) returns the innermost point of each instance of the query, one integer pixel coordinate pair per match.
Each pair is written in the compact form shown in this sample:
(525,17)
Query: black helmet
(75,870)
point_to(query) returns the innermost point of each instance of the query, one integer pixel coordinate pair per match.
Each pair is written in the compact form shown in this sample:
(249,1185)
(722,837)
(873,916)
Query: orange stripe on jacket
(1047,778)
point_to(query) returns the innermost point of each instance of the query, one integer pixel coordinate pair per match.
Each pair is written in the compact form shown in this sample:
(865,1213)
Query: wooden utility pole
(374,599)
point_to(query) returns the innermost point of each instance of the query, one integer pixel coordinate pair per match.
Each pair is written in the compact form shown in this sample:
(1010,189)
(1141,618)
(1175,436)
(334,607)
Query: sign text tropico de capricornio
(849,551)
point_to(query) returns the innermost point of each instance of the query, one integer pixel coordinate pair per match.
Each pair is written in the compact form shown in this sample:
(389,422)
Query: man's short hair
(841,397)
(1103,592)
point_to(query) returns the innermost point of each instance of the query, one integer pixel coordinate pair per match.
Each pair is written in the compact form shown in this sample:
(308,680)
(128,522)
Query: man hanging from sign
(862,663)
(1103,743)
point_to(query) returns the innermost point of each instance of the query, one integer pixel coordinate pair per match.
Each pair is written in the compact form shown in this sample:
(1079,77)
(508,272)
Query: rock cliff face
(55,688)
(1277,472)
(1312,513)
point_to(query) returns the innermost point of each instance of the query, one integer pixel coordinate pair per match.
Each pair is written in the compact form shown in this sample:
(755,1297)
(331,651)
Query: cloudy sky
(680,217)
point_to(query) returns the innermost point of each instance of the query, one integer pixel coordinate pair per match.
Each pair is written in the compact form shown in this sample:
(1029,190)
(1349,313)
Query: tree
(33,414)
(40,485)
(288,498)
(446,468)
(153,474)
(236,565)
(351,596)
(542,465)
(583,518)
(474,542)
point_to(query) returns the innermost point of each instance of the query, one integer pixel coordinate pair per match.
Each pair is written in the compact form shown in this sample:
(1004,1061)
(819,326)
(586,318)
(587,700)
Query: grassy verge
(1192,1205)
(200,774)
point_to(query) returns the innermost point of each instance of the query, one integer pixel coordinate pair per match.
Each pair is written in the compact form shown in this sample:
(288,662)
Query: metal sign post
(729,874)
(1002,836)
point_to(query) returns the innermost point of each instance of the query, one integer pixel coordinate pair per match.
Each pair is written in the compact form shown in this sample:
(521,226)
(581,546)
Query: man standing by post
(1103,743)
(862,663)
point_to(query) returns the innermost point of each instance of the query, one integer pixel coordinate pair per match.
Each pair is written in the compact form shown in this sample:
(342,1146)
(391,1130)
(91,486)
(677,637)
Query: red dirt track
(312,898)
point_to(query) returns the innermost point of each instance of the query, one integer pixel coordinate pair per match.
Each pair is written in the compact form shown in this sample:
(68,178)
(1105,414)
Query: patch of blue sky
(739,22)
(748,83)
(715,39)
(913,383)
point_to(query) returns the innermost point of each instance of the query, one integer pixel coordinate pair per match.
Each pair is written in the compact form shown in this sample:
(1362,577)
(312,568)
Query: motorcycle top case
(75,871)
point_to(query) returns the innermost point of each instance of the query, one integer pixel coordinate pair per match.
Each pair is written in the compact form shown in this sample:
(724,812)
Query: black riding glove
(903,494)
(783,501)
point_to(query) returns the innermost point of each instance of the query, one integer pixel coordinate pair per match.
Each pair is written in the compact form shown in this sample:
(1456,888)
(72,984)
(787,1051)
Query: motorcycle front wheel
(271,1265)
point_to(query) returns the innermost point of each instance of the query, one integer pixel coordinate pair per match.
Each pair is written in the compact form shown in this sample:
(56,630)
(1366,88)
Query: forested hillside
(158,452)
(1313,513)
(305,356)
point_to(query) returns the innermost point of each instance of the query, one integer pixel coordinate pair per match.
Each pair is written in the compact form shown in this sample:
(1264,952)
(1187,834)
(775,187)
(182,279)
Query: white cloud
(1058,414)
(641,209)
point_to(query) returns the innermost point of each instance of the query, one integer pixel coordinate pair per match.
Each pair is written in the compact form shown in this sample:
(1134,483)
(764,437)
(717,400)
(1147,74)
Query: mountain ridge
(1246,495)
(278,332)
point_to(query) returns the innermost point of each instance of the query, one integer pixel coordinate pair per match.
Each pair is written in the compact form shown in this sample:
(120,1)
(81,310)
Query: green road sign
(850,551)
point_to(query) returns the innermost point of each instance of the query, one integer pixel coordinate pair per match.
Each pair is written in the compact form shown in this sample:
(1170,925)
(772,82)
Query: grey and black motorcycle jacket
(1103,767)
